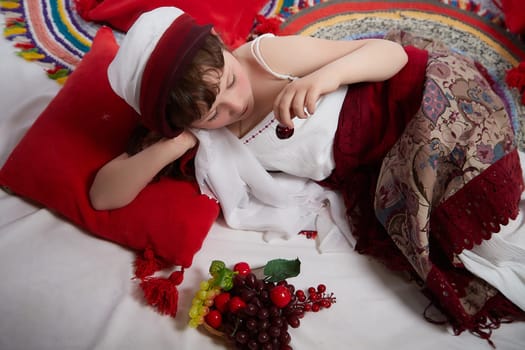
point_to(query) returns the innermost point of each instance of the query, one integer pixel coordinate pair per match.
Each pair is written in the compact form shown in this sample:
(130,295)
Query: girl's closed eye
(232,81)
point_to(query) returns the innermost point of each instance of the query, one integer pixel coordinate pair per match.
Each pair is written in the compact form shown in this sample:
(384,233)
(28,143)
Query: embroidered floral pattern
(434,101)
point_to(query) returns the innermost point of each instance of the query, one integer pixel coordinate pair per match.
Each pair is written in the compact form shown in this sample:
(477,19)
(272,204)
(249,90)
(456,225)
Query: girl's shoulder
(295,55)
(267,40)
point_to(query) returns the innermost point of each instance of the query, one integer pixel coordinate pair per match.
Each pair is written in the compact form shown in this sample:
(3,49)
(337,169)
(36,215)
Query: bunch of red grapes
(258,314)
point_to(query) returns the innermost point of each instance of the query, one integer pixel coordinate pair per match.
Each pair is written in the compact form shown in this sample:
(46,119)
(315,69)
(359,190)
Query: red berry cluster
(316,300)
(257,313)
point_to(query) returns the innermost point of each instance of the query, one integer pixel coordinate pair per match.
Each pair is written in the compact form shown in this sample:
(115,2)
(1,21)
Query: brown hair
(193,96)
(195,92)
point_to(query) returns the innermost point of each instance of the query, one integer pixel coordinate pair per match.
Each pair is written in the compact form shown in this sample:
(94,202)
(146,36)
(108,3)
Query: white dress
(308,153)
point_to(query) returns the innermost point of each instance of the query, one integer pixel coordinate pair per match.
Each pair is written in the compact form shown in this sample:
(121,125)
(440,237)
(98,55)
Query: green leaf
(279,269)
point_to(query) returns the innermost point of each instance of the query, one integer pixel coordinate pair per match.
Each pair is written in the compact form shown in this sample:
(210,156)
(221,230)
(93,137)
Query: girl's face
(234,101)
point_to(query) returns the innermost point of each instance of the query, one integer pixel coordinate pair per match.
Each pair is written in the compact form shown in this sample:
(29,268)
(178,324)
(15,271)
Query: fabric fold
(251,198)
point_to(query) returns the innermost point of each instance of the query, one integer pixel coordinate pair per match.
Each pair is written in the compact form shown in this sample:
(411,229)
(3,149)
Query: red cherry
(242,268)
(280,296)
(235,304)
(326,303)
(213,318)
(283,132)
(221,301)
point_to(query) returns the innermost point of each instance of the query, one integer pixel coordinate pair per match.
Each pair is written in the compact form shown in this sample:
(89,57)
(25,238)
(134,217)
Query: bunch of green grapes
(202,301)
(222,279)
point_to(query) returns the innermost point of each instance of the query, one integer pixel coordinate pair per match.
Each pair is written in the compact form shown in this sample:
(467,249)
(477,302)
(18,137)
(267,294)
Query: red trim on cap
(174,51)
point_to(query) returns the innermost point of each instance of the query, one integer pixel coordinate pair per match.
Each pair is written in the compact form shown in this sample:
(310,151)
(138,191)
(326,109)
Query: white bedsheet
(63,289)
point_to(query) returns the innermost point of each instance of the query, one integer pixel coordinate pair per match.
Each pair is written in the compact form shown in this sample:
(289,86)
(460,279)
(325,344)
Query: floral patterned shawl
(428,166)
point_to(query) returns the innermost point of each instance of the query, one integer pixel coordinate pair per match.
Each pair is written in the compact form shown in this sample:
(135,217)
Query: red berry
(242,268)
(321,288)
(221,301)
(213,318)
(326,303)
(280,296)
(316,307)
(311,290)
(235,304)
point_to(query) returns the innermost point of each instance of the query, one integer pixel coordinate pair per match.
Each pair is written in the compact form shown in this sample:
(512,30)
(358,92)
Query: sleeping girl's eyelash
(213,116)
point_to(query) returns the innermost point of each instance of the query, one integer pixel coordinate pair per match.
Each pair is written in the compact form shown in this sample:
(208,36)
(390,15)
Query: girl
(416,141)
(231,89)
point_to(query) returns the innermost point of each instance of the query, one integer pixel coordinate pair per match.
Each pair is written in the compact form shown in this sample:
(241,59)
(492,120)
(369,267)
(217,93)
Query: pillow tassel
(159,292)
(516,78)
(162,293)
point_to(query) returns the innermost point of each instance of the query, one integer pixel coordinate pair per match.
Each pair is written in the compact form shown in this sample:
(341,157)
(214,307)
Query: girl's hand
(299,97)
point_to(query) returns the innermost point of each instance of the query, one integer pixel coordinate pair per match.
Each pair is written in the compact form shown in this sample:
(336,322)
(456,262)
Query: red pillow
(83,127)
(233,19)
(514,12)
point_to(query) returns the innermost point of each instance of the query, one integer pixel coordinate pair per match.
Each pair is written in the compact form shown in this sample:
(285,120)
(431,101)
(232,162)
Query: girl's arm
(325,65)
(119,181)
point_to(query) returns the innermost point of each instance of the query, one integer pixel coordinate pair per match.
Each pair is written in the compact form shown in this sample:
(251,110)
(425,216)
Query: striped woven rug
(48,32)
(52,34)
